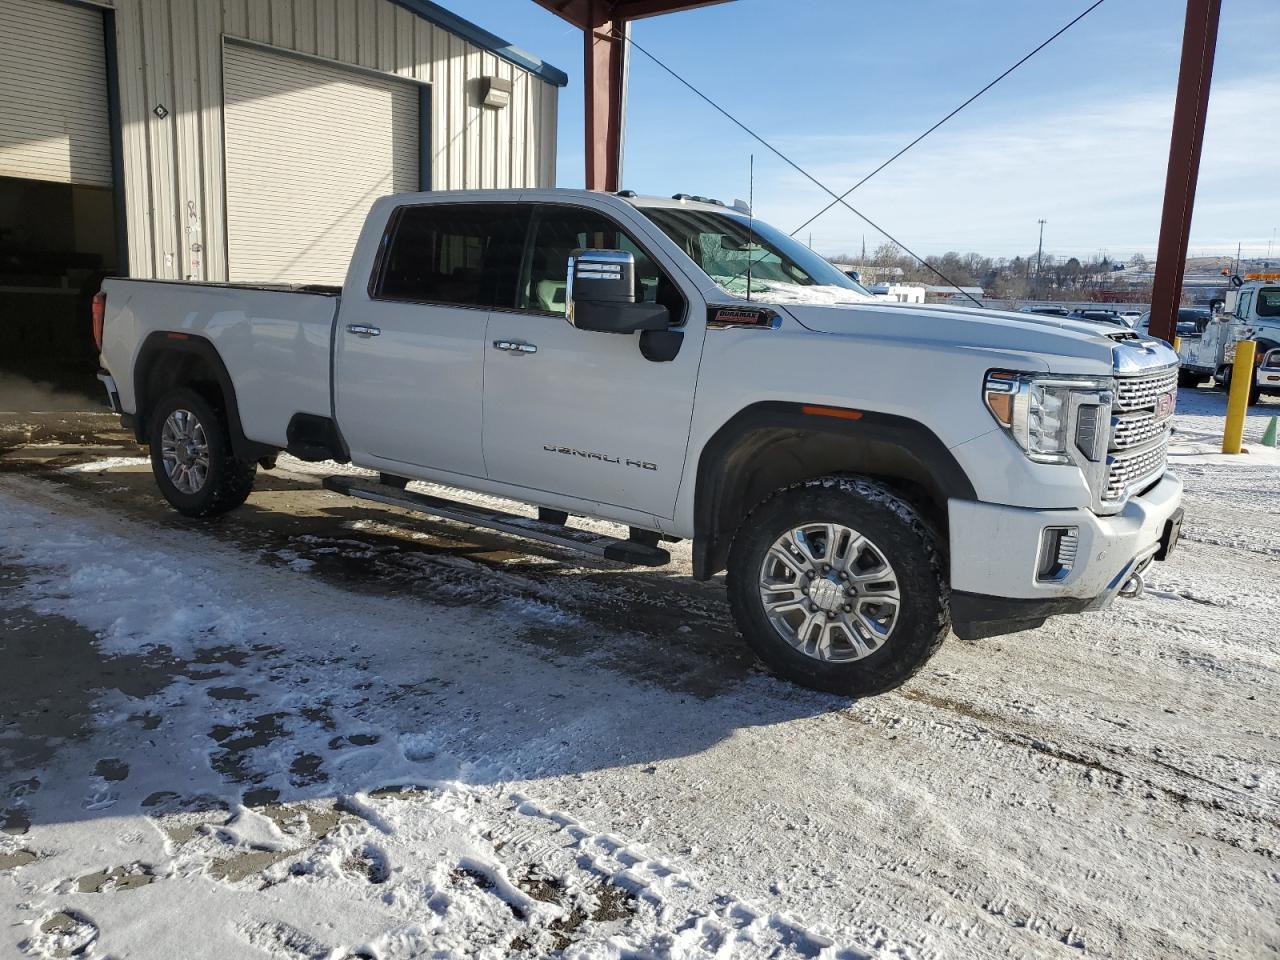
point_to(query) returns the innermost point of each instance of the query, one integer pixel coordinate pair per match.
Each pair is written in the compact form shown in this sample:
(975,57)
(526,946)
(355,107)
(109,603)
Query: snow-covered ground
(320,729)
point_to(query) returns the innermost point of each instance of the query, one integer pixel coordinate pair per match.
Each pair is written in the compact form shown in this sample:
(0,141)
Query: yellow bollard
(1177,344)
(1242,374)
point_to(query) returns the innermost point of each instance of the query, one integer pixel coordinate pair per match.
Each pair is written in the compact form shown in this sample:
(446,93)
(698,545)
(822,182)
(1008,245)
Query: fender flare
(164,341)
(718,506)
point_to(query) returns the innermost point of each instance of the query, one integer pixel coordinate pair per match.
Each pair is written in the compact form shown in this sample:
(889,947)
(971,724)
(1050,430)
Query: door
(580,413)
(309,147)
(53,94)
(410,346)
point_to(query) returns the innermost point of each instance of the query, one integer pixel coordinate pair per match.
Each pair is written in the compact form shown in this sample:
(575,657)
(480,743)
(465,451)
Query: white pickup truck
(871,475)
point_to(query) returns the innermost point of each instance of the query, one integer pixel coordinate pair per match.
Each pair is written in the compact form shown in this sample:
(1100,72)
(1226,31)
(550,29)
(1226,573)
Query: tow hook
(1133,587)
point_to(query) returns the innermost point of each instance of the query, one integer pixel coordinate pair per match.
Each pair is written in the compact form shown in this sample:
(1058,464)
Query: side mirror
(600,294)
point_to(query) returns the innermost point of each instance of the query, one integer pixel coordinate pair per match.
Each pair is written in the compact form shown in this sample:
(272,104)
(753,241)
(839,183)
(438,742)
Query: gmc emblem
(1165,403)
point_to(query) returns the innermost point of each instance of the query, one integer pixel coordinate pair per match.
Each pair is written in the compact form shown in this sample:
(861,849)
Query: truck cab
(1251,311)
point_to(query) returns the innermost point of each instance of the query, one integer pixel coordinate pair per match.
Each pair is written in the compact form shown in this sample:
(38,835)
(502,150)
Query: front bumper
(996,553)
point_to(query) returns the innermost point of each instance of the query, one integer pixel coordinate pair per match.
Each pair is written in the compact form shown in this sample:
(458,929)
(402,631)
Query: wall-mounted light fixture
(495,92)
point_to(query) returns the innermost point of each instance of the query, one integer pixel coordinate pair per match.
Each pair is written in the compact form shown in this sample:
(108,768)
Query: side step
(623,551)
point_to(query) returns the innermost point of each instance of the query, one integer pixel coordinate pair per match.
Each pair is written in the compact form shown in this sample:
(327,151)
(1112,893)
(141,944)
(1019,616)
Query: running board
(623,551)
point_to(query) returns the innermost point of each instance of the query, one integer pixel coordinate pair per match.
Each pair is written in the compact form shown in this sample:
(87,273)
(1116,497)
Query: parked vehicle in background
(1131,317)
(1268,380)
(1190,323)
(685,370)
(1098,316)
(1251,311)
(1047,311)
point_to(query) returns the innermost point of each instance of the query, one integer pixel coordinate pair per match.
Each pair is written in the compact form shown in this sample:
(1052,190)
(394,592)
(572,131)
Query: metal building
(241,140)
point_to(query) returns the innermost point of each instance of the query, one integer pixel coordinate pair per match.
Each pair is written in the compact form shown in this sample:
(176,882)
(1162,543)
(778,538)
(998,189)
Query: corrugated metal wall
(170,54)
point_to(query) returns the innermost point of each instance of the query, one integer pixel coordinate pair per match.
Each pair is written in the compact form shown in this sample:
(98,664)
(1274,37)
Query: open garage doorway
(59,216)
(57,242)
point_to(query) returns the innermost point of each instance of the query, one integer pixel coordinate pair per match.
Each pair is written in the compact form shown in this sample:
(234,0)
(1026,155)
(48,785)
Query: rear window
(466,255)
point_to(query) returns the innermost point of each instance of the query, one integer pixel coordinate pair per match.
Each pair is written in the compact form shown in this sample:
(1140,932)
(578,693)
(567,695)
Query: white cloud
(1094,171)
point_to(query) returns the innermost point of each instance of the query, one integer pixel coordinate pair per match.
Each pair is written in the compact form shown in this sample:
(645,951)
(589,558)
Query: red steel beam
(1199,41)
(604,53)
(604,59)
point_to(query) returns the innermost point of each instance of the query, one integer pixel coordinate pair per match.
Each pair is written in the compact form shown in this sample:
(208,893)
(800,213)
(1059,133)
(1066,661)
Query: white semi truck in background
(1251,311)
(871,475)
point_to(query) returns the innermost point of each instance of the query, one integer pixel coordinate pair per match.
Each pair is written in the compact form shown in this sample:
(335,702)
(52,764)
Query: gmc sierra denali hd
(870,475)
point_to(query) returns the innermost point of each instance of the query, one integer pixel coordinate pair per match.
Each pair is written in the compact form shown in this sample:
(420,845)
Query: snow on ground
(320,729)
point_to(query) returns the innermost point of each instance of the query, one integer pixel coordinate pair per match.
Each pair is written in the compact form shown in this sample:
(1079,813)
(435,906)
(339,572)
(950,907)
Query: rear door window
(465,255)
(1269,302)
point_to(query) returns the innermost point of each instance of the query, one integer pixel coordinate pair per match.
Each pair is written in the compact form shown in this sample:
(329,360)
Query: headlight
(1047,414)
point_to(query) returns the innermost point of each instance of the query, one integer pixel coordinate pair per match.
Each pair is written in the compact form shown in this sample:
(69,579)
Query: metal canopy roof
(589,13)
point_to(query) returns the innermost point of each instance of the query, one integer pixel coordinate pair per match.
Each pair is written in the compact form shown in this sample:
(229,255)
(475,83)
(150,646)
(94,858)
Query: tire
(225,481)
(1188,379)
(1255,391)
(895,535)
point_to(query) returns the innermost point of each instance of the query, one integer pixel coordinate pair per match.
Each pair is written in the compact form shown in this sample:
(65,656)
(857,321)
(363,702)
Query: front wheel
(191,457)
(838,584)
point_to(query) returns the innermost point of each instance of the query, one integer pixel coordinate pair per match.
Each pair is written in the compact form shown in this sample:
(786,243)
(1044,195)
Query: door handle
(363,329)
(515,346)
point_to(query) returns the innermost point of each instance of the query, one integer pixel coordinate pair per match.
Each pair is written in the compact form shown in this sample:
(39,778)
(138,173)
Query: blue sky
(1079,135)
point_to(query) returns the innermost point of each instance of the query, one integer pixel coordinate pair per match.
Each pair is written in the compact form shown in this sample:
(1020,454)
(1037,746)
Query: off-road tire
(907,541)
(1189,379)
(229,480)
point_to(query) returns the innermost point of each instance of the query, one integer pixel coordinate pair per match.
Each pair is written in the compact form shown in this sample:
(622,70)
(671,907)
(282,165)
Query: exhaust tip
(1133,587)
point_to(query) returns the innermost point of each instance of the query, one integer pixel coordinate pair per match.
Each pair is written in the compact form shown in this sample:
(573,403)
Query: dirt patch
(128,877)
(17,858)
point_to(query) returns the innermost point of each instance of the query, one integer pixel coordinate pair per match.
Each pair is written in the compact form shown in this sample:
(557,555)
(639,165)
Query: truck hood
(1062,343)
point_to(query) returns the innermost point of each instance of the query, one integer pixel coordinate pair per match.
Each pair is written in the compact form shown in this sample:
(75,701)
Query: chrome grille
(1139,443)
(1137,393)
(1126,469)
(1134,429)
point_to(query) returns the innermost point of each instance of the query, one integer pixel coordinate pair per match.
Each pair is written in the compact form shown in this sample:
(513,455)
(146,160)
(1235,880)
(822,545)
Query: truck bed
(273,339)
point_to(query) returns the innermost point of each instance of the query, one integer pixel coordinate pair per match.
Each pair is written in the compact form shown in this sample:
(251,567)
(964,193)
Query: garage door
(309,147)
(53,93)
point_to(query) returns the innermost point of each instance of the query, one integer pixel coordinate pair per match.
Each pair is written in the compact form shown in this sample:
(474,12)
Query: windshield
(747,257)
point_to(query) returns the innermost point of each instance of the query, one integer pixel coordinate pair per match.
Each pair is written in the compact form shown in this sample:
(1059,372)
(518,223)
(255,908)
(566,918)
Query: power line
(799,169)
(1050,40)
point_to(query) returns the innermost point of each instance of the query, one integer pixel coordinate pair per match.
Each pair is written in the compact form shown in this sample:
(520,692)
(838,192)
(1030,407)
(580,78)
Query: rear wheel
(1255,391)
(837,584)
(192,459)
(1188,379)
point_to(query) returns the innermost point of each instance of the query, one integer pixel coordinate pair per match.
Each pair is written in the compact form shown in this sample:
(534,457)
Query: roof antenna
(751,207)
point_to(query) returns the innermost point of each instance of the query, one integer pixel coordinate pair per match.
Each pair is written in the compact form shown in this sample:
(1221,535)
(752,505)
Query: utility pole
(1236,269)
(1039,254)
(1199,42)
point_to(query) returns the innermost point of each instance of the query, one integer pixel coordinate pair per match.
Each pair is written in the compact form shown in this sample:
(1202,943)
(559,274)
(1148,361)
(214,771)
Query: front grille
(1138,393)
(1139,442)
(1131,430)
(1126,469)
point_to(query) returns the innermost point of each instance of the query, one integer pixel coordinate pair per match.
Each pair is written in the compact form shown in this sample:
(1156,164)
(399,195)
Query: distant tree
(1138,261)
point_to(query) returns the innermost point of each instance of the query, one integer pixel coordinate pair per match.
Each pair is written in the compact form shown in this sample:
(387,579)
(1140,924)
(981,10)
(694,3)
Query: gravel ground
(317,728)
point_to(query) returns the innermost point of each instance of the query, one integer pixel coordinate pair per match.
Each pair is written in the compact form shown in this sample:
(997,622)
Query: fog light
(1058,547)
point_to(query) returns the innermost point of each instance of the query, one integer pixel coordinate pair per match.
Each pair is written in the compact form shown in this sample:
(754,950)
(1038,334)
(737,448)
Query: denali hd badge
(602,457)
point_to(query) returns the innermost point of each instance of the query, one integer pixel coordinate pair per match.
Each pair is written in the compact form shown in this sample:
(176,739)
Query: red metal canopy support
(603,24)
(1199,40)
(605,67)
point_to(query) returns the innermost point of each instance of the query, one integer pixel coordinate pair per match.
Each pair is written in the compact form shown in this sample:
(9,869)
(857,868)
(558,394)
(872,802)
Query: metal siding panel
(304,26)
(133,139)
(366,32)
(209,27)
(298,189)
(185,122)
(326,28)
(281,12)
(404,26)
(547,135)
(53,103)
(235,17)
(346,31)
(160,135)
(258,25)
